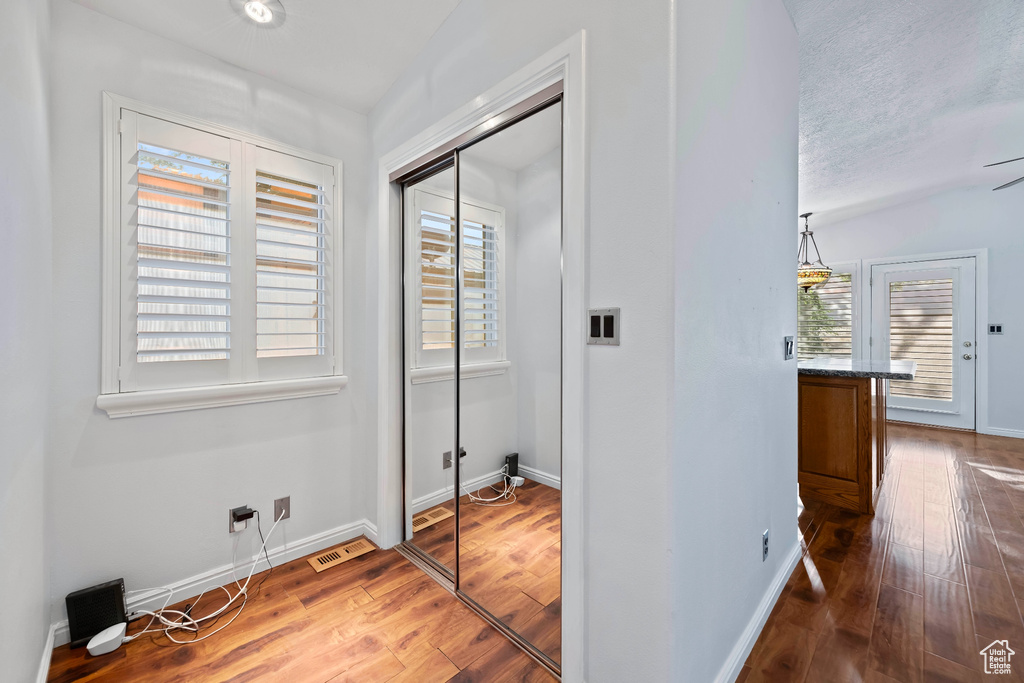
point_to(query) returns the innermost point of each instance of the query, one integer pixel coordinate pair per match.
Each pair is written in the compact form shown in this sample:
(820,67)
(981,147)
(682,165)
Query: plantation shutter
(436,224)
(921,330)
(293,242)
(825,319)
(178,220)
(435,274)
(481,273)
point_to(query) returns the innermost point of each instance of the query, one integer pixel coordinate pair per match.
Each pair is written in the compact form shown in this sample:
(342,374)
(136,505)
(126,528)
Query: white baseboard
(441,495)
(221,576)
(731,669)
(541,477)
(44,662)
(998,431)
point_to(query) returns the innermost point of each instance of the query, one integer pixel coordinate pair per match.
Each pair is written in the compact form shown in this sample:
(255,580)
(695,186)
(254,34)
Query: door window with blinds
(826,317)
(226,258)
(432,268)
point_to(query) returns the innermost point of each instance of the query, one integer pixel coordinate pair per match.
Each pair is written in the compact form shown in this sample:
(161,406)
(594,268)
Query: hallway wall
(25,312)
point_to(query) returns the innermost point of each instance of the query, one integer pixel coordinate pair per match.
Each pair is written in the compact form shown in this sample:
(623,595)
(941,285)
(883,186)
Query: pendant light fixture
(809,274)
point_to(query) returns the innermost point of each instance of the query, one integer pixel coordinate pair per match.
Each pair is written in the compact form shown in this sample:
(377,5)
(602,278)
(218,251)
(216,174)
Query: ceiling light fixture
(263,14)
(809,274)
(258,12)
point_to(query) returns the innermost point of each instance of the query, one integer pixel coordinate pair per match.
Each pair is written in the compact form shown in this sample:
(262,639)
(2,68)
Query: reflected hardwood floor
(511,560)
(915,592)
(374,618)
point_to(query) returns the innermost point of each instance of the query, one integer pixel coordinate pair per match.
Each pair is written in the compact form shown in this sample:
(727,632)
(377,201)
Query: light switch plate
(790,348)
(603,327)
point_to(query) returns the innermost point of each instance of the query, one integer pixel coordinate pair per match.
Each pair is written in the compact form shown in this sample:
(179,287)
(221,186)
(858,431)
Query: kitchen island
(842,438)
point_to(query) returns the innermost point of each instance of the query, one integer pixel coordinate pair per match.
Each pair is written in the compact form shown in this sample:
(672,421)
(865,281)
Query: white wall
(962,219)
(735,427)
(629,387)
(24,336)
(537,333)
(147,498)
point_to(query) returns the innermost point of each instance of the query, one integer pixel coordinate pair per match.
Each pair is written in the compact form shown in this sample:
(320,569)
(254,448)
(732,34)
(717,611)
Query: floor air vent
(430,517)
(342,553)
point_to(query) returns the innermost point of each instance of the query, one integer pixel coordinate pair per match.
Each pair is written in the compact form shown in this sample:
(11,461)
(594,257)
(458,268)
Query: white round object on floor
(107,640)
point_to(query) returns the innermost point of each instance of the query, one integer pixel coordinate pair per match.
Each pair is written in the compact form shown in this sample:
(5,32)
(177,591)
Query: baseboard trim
(541,477)
(734,664)
(220,576)
(44,662)
(998,431)
(441,495)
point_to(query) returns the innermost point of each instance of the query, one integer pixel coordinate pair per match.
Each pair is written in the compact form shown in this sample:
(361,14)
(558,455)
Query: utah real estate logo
(997,657)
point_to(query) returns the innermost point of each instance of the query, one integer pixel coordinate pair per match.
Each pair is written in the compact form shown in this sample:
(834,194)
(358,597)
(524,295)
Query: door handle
(967,356)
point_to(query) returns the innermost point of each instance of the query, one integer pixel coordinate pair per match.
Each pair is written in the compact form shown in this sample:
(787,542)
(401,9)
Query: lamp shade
(809,275)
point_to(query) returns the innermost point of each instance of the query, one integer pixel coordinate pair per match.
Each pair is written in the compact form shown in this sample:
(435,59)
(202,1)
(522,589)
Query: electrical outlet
(446,460)
(234,526)
(764,545)
(283,508)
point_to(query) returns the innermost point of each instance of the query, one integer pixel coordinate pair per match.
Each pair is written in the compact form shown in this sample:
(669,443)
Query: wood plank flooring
(374,618)
(511,560)
(915,592)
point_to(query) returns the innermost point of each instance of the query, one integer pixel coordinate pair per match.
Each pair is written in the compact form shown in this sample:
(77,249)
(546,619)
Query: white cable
(507,494)
(189,623)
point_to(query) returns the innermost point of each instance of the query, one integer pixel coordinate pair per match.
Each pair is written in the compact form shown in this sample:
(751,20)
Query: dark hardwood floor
(511,560)
(374,618)
(915,592)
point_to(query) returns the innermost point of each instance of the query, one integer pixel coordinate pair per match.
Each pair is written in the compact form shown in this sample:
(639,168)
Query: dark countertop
(845,367)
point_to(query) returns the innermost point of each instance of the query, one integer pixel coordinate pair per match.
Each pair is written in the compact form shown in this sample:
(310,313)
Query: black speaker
(91,610)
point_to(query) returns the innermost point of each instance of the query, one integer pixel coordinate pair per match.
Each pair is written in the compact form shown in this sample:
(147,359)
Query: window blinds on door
(921,330)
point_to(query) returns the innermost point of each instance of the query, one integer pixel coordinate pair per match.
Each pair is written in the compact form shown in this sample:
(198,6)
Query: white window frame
(436,365)
(856,312)
(118,403)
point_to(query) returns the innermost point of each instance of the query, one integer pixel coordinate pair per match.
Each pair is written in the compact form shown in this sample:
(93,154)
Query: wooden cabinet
(842,444)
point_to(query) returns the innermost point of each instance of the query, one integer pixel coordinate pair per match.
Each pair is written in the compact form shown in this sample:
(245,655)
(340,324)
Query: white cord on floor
(507,493)
(186,622)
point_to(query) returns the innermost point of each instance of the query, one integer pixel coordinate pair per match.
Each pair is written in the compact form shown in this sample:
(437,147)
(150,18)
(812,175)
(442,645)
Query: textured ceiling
(901,98)
(346,52)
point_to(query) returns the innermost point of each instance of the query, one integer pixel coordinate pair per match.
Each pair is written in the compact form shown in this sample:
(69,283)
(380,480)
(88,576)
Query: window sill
(194,398)
(447,372)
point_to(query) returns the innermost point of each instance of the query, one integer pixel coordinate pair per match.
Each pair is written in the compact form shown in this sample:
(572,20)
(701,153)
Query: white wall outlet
(283,508)
(764,545)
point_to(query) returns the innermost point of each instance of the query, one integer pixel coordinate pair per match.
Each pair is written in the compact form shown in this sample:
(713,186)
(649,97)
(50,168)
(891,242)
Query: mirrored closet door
(490,293)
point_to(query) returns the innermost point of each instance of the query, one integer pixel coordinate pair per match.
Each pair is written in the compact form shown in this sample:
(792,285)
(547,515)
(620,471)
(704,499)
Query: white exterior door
(925,312)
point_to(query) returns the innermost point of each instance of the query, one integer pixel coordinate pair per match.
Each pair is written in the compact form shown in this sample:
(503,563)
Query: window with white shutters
(825,322)
(435,273)
(226,248)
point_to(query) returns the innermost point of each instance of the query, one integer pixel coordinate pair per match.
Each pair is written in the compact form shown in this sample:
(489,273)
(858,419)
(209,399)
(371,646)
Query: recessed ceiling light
(262,13)
(258,12)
